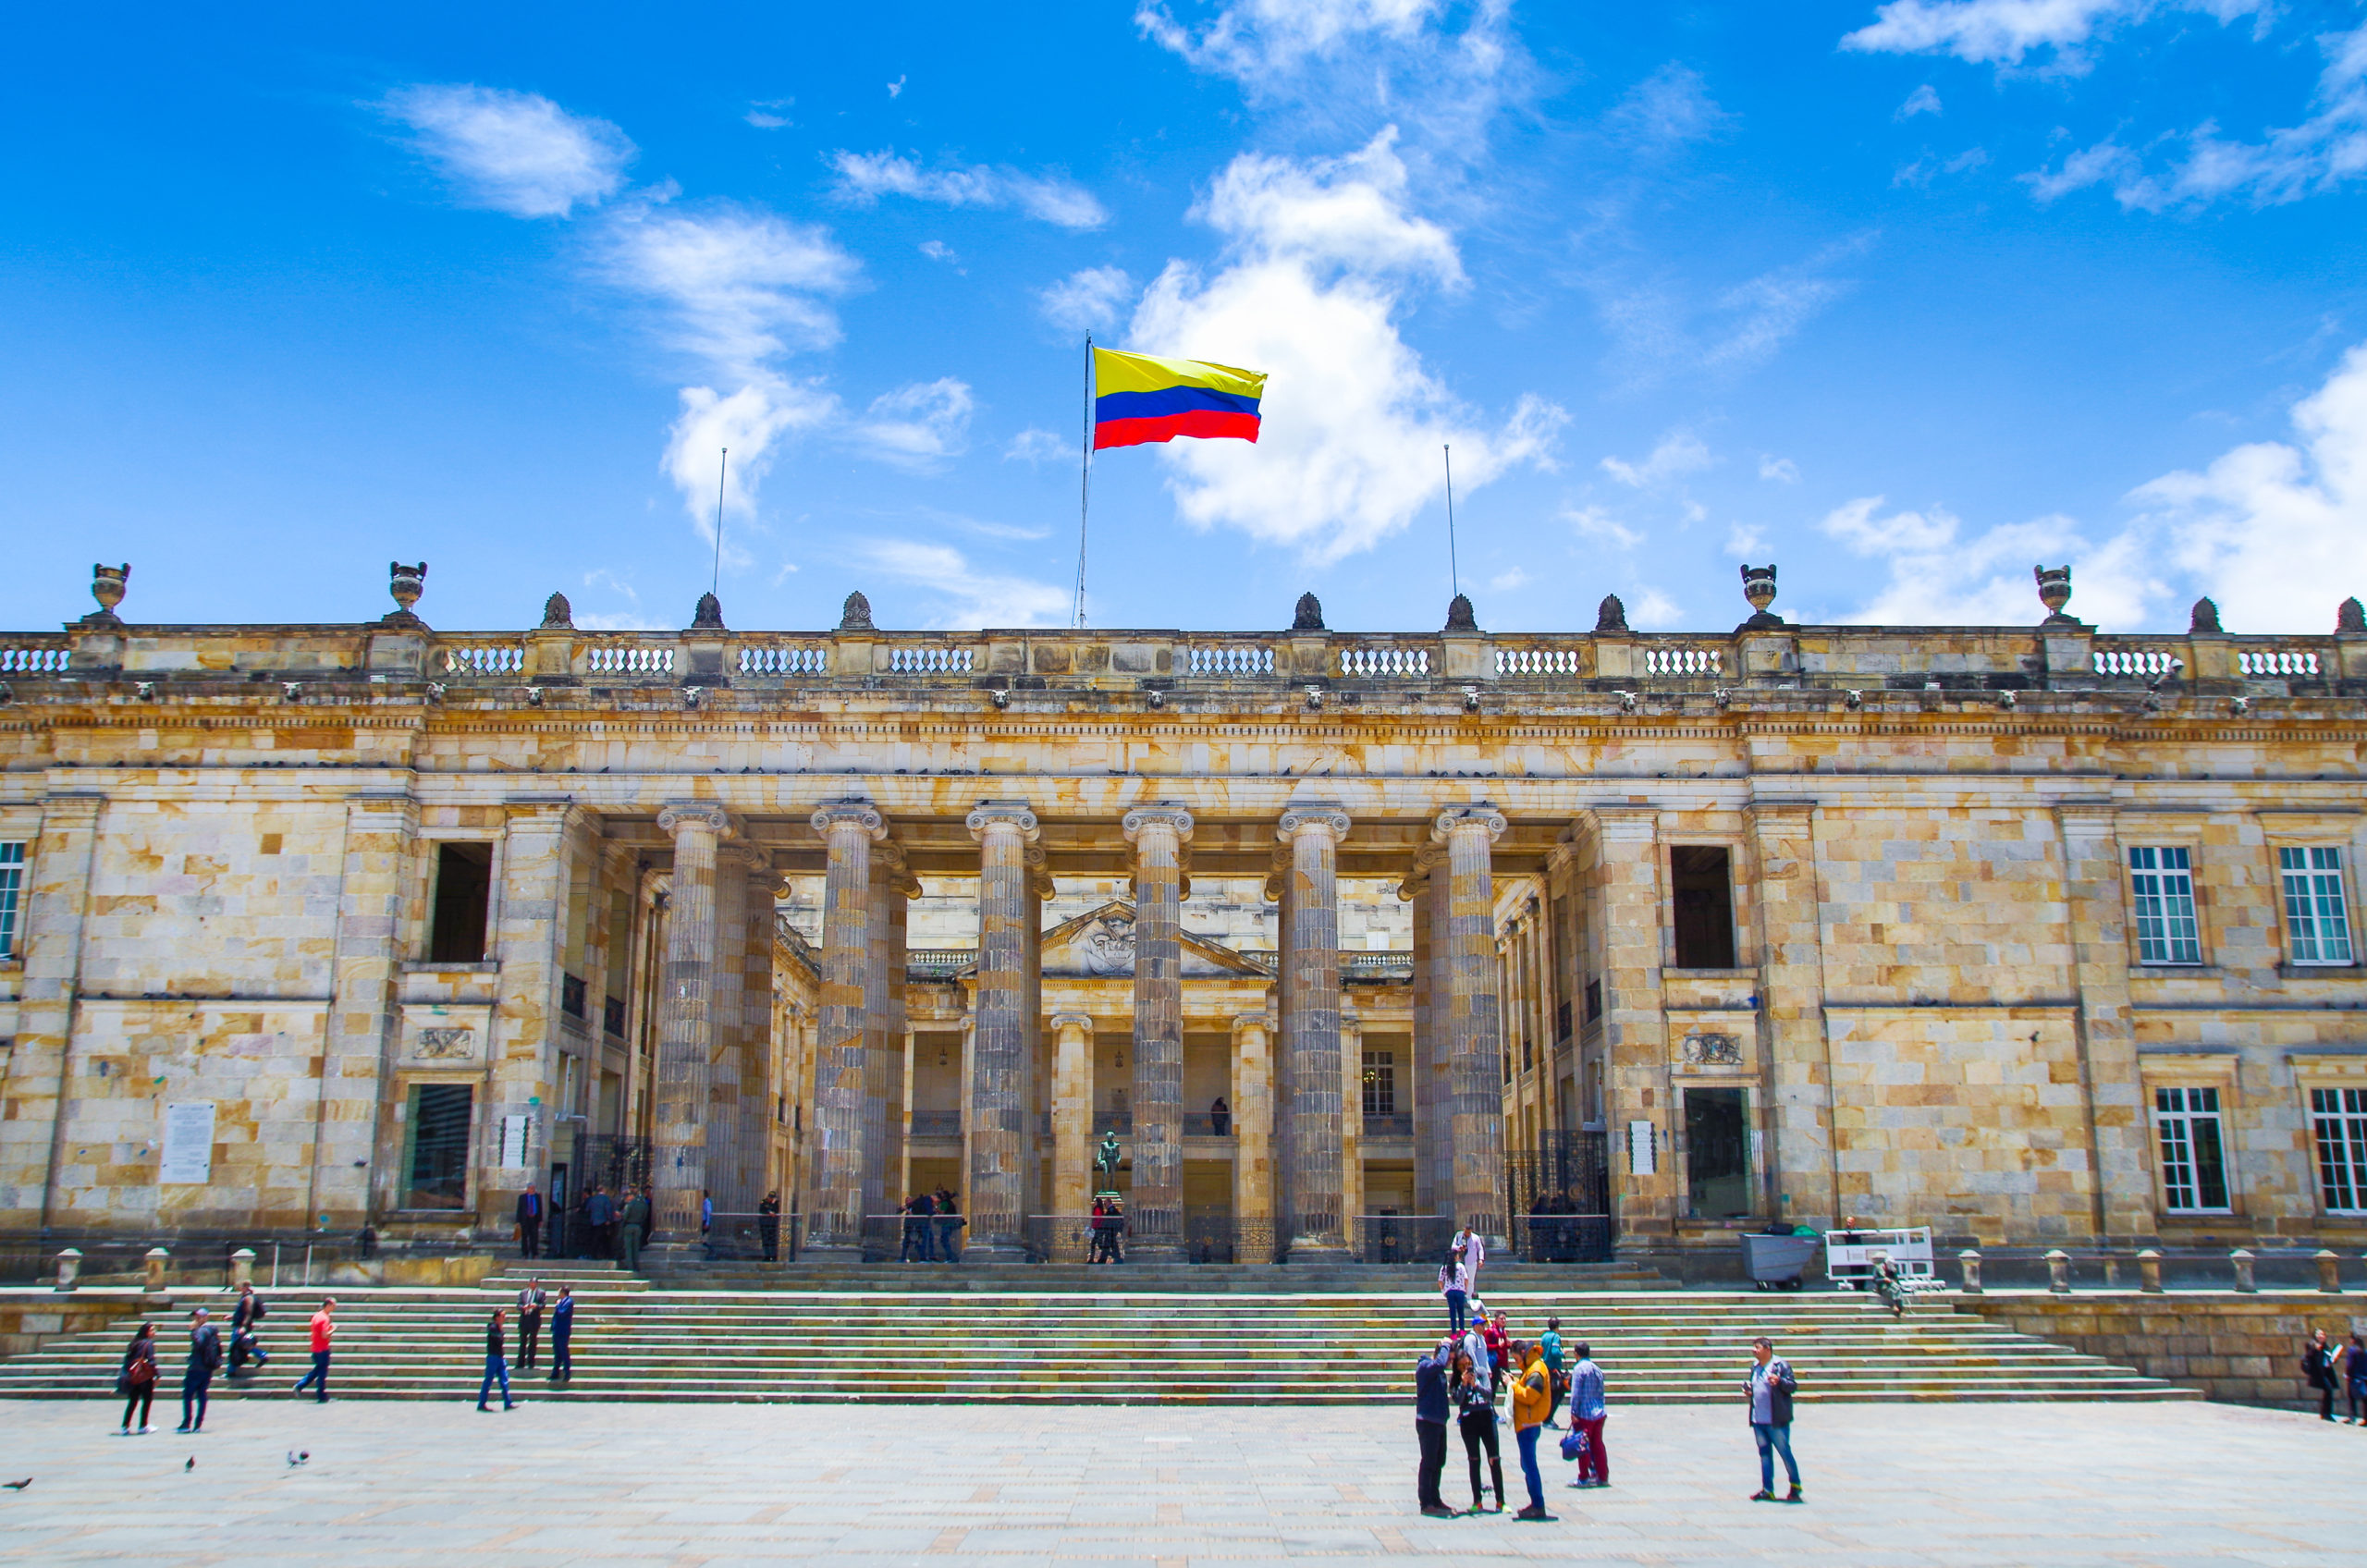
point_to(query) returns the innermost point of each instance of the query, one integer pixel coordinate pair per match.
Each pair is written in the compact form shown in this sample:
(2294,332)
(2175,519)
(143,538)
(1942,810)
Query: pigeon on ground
(295,1459)
(191,1465)
(17,1485)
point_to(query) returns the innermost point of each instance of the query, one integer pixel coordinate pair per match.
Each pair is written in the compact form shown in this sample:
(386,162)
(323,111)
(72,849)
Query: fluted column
(1253,1138)
(1418,890)
(686,1035)
(1156,1211)
(842,1056)
(883,1028)
(727,1064)
(1352,1129)
(1474,1031)
(999,1050)
(759,1083)
(1072,1120)
(1311,1118)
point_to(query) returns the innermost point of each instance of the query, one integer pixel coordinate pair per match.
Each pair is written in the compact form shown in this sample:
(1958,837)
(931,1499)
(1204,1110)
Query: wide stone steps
(1102,1349)
(1137,1278)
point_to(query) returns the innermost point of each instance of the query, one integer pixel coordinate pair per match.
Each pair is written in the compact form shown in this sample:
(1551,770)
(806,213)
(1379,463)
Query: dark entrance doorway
(1561,1198)
(1717,1153)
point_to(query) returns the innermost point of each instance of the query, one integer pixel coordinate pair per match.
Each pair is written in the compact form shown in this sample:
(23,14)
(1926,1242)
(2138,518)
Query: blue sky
(1905,297)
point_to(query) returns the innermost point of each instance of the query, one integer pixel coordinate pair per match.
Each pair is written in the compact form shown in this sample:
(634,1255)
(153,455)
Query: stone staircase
(1133,1278)
(1051,1346)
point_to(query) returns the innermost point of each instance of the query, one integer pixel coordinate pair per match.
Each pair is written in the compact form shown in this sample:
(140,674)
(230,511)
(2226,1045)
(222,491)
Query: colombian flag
(1137,399)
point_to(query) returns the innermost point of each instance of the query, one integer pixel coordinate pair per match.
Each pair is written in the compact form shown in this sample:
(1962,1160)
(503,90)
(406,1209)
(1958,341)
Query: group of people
(616,1228)
(932,1228)
(137,1375)
(2331,1369)
(1106,1229)
(531,1302)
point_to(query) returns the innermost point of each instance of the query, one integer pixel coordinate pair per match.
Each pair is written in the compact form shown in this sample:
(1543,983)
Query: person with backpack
(137,1381)
(244,1344)
(1476,1400)
(197,1377)
(1550,1346)
(1768,1389)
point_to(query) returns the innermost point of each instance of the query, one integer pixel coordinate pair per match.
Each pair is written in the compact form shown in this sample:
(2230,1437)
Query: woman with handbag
(137,1380)
(1475,1397)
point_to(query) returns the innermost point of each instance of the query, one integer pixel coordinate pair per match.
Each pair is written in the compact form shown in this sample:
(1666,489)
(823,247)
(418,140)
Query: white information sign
(513,1140)
(1643,1150)
(1759,1148)
(189,1145)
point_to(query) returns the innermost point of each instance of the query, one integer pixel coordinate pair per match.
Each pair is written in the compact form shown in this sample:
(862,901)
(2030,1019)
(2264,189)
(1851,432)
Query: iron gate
(1560,1199)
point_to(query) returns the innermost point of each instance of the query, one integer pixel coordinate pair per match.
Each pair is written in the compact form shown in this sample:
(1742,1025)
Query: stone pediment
(1099,944)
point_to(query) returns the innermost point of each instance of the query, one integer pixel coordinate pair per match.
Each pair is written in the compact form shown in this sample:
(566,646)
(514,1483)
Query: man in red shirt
(324,1329)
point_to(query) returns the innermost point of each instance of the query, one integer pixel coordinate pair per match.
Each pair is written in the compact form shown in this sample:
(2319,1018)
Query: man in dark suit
(197,1379)
(530,1222)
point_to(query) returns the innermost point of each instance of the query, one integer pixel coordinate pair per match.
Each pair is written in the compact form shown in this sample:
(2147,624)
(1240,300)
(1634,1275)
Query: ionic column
(760,1084)
(1253,1138)
(883,1006)
(1417,890)
(997,1116)
(1156,1211)
(1072,1117)
(726,1055)
(1311,1118)
(841,1154)
(685,1021)
(1474,1031)
(1352,1128)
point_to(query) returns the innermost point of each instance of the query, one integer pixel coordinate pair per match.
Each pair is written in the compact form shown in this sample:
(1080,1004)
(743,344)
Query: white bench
(1850,1257)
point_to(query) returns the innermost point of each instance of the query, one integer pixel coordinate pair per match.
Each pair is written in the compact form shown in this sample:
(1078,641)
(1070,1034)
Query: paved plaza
(441,1486)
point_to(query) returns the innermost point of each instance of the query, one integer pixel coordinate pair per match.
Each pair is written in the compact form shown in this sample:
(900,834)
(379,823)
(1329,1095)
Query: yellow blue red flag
(1139,399)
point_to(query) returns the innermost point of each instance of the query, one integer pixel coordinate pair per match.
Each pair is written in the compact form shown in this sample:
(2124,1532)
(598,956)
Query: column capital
(695,814)
(744,856)
(1001,813)
(1312,818)
(1465,819)
(1073,1021)
(1426,860)
(1153,817)
(856,814)
(1039,875)
(1244,1021)
(887,864)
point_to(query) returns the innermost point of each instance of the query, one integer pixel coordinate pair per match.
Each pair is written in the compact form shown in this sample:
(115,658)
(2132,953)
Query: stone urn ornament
(406,584)
(107,586)
(2055,591)
(1759,587)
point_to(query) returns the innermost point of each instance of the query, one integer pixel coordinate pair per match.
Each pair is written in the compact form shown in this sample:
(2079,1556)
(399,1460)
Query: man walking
(563,1336)
(948,1221)
(324,1330)
(769,1226)
(495,1366)
(600,1218)
(636,1221)
(244,1342)
(1431,1408)
(1532,1387)
(1769,1389)
(1588,1410)
(530,1302)
(197,1379)
(530,1222)
(706,1222)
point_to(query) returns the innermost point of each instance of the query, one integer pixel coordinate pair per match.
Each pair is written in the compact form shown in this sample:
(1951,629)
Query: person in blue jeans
(1769,1389)
(495,1365)
(1454,1283)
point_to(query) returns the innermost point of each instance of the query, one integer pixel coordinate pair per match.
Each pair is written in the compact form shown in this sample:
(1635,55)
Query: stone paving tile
(417,1486)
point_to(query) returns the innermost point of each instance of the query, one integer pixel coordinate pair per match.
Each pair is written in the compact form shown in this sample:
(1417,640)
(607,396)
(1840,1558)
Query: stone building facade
(2034,935)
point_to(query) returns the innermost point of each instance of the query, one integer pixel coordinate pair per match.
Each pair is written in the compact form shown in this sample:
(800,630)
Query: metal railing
(1399,1238)
(1389,1125)
(1205,1124)
(937,1124)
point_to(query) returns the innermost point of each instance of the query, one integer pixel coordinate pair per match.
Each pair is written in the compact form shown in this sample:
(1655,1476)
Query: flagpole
(722,469)
(1085,486)
(1454,571)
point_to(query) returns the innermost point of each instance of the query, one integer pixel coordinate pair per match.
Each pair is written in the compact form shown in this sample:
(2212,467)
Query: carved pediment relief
(1099,944)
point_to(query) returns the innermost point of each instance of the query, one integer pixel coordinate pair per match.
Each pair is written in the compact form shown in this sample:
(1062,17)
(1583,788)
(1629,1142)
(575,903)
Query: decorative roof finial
(1611,616)
(1459,615)
(855,615)
(2204,620)
(2350,620)
(2055,591)
(406,584)
(709,615)
(558,614)
(1759,587)
(107,586)
(1310,613)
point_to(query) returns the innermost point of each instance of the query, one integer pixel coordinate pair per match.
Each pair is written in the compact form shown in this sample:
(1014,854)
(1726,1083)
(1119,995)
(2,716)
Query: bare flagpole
(722,468)
(1085,486)
(1455,572)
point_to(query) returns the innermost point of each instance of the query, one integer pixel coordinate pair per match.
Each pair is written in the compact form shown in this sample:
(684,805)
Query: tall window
(2315,916)
(12,892)
(2194,1163)
(1701,885)
(1380,1082)
(2161,879)
(463,893)
(2342,1118)
(438,1168)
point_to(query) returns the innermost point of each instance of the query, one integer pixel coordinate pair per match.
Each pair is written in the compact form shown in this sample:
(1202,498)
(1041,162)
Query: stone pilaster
(686,1033)
(1418,890)
(760,1083)
(1440,1148)
(1156,1211)
(885,1091)
(1352,1130)
(998,1110)
(1628,863)
(39,1069)
(1474,1032)
(728,1069)
(1072,1119)
(1253,1138)
(528,942)
(1311,1118)
(840,1119)
(1795,1056)
(379,832)
(2122,1176)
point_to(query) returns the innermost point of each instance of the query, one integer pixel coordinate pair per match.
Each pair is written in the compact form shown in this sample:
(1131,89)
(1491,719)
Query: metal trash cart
(1777,1261)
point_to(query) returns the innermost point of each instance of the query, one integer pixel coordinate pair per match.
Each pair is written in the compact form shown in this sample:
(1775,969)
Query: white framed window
(2194,1159)
(12,895)
(2161,882)
(2339,1117)
(2317,918)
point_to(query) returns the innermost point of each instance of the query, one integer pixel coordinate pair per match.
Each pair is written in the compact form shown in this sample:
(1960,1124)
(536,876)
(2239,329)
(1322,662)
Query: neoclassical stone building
(2034,935)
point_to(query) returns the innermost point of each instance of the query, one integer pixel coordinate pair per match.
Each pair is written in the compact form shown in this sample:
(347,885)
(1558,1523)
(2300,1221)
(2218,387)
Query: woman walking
(2354,1378)
(1475,1396)
(137,1381)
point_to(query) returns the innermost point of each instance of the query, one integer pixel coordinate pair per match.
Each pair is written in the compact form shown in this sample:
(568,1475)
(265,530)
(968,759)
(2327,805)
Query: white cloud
(1505,582)
(918,426)
(1039,447)
(1937,578)
(766,113)
(633,619)
(1745,539)
(1924,100)
(517,152)
(2004,32)
(1652,609)
(863,178)
(1671,106)
(2083,169)
(1087,299)
(1658,330)
(970,597)
(741,287)
(1783,470)
(749,422)
(1680,452)
(896,88)
(1593,522)
(2287,164)
(938,250)
(1261,43)
(1318,259)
